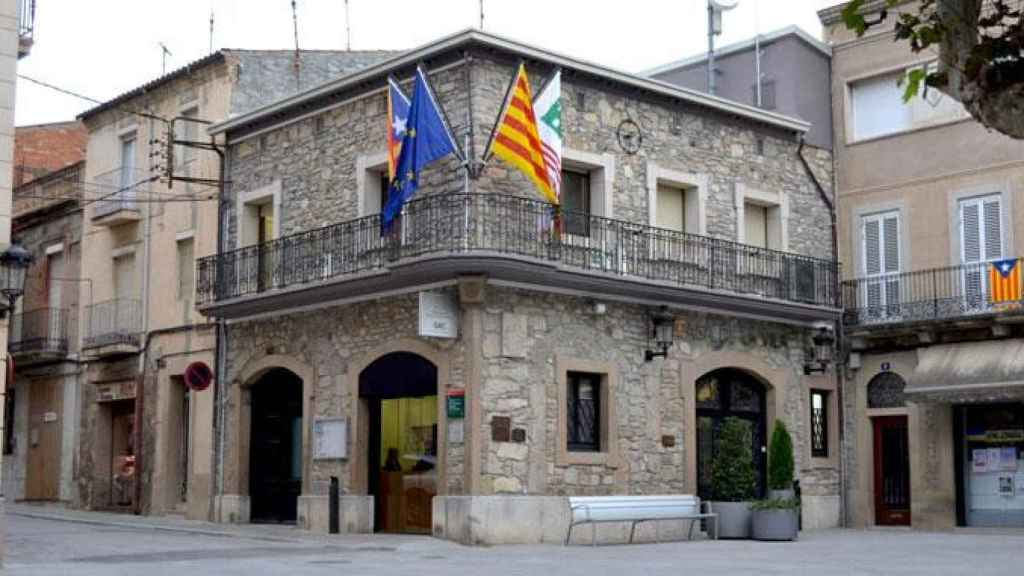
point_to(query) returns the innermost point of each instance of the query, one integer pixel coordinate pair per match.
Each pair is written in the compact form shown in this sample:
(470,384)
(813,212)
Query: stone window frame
(609,436)
(823,383)
(695,204)
(778,213)
(368,168)
(247,201)
(601,169)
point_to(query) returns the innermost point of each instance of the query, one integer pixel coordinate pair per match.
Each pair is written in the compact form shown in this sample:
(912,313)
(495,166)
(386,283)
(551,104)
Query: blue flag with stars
(427,139)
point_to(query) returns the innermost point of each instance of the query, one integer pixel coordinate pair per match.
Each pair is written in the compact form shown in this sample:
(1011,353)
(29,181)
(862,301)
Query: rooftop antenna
(295,25)
(481,14)
(164,53)
(757,54)
(715,9)
(211,30)
(348,30)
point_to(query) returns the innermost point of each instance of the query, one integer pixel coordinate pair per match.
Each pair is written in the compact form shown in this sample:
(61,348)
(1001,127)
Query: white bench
(636,509)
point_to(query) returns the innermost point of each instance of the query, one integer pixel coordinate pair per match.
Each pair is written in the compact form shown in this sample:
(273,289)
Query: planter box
(774,525)
(733,519)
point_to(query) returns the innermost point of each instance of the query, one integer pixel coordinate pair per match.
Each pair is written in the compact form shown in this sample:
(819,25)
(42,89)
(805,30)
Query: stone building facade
(327,313)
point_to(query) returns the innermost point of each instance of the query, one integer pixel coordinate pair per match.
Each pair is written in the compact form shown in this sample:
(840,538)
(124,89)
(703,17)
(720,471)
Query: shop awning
(969,372)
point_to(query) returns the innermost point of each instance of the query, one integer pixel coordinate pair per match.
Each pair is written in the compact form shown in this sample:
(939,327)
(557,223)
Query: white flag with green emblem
(548,108)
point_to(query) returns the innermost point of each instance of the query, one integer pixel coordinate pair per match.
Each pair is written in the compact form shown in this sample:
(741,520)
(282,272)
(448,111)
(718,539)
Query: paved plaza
(44,542)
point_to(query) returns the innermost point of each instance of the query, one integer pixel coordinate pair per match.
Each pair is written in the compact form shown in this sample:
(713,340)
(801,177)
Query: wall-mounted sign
(456,404)
(439,314)
(456,432)
(198,376)
(330,438)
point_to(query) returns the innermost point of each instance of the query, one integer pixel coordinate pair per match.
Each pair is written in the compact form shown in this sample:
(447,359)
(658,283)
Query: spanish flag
(1004,281)
(515,139)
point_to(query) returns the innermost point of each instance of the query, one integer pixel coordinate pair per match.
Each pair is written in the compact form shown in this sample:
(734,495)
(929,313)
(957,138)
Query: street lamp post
(14,263)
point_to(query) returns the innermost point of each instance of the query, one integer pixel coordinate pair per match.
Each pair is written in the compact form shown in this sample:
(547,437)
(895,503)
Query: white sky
(101,48)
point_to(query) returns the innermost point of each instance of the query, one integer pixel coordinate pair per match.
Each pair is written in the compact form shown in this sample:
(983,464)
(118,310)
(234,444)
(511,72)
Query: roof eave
(491,40)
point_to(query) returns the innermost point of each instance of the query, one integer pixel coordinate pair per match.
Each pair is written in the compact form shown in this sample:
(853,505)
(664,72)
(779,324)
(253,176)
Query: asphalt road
(81,544)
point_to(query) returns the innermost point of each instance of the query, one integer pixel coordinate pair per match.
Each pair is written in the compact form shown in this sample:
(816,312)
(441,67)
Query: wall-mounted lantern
(14,263)
(662,331)
(822,351)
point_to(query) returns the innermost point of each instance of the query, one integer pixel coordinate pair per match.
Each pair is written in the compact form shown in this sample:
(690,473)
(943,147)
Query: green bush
(732,470)
(780,459)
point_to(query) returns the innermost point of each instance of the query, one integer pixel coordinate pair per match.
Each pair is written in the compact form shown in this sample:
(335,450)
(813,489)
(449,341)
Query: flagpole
(504,108)
(547,82)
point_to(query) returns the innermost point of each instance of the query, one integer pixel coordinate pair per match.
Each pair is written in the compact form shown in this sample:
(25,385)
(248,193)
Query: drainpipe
(220,352)
(838,327)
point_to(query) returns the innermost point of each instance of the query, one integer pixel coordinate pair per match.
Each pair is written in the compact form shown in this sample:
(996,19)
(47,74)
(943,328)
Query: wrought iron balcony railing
(113,322)
(26,25)
(503,225)
(44,330)
(934,294)
(119,189)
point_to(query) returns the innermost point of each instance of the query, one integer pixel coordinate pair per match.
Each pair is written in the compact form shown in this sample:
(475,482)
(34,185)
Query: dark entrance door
(721,394)
(892,471)
(275,449)
(400,390)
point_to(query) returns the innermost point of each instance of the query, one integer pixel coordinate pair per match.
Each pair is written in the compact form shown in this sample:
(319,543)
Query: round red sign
(198,376)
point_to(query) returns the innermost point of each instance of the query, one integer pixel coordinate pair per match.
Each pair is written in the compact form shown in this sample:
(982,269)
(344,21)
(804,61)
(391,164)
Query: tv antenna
(164,53)
(715,9)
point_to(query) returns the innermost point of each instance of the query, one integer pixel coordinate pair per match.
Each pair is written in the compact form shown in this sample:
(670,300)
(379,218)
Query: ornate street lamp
(14,263)
(662,330)
(824,347)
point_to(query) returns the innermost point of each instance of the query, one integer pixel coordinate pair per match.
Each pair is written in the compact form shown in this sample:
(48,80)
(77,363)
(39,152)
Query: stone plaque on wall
(330,438)
(439,315)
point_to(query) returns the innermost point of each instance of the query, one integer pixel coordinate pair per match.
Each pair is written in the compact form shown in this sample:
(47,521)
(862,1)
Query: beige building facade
(930,218)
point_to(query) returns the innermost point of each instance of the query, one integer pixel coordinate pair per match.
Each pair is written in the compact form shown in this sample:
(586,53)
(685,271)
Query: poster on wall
(1006,486)
(1008,459)
(979,460)
(329,438)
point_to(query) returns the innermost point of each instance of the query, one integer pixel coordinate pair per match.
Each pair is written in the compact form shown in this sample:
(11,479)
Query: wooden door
(892,471)
(42,475)
(275,450)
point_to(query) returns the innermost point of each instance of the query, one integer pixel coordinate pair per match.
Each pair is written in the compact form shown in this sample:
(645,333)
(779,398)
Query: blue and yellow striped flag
(1004,281)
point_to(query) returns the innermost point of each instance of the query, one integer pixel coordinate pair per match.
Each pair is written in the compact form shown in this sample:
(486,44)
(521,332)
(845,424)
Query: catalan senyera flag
(1004,281)
(516,139)
(398,117)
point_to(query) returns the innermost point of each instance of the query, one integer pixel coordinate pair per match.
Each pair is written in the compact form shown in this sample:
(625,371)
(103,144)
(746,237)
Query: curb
(147,526)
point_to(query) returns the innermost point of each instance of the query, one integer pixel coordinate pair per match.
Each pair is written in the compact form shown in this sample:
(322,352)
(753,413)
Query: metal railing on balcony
(113,322)
(497,224)
(933,294)
(44,330)
(26,20)
(119,189)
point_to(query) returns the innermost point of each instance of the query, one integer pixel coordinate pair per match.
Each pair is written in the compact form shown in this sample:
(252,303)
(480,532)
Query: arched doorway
(891,446)
(720,394)
(400,392)
(275,446)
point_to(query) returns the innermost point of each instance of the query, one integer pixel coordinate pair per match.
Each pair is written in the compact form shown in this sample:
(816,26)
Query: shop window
(819,423)
(886,391)
(576,202)
(584,411)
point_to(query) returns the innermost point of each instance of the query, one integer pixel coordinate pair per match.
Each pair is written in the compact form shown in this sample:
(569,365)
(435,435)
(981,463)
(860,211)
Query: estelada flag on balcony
(398,118)
(1004,281)
(515,138)
(427,139)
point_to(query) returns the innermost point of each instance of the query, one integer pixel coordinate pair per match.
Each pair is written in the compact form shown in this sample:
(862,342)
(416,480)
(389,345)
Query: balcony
(112,328)
(26,26)
(118,190)
(953,297)
(515,240)
(39,335)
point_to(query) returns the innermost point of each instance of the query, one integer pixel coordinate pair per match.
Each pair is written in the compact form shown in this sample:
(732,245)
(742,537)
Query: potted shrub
(774,519)
(777,517)
(780,463)
(732,479)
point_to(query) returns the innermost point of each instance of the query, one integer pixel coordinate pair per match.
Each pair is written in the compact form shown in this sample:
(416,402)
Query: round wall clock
(629,136)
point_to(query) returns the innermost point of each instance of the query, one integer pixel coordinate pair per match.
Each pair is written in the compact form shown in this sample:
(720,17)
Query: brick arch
(360,416)
(250,374)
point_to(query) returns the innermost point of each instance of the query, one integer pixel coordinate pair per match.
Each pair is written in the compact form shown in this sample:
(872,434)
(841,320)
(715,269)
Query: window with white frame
(671,207)
(981,241)
(880,263)
(761,218)
(755,225)
(877,107)
(127,178)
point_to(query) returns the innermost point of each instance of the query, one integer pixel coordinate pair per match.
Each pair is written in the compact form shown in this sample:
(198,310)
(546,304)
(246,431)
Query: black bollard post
(333,500)
(800,505)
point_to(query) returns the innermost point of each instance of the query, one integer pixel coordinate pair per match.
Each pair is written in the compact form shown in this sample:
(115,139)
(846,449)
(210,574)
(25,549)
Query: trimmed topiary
(780,458)
(732,470)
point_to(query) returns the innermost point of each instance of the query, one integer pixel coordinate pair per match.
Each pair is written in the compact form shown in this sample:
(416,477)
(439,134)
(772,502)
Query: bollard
(800,505)
(334,504)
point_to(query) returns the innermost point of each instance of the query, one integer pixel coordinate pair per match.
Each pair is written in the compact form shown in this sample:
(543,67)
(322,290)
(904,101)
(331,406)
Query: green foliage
(776,504)
(780,458)
(732,470)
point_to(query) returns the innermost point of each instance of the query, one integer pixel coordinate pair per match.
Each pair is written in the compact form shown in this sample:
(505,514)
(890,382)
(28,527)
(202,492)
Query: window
(186,130)
(584,411)
(880,238)
(576,202)
(877,107)
(385,187)
(186,269)
(885,390)
(819,423)
(127,162)
(756,225)
(981,240)
(54,275)
(264,223)
(124,276)
(671,208)
(9,418)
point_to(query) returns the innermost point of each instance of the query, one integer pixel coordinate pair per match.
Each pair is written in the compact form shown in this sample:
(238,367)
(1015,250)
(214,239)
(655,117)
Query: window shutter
(872,247)
(970,231)
(891,243)
(993,229)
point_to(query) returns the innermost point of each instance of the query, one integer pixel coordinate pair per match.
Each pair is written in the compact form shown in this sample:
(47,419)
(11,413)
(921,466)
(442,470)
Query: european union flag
(427,138)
